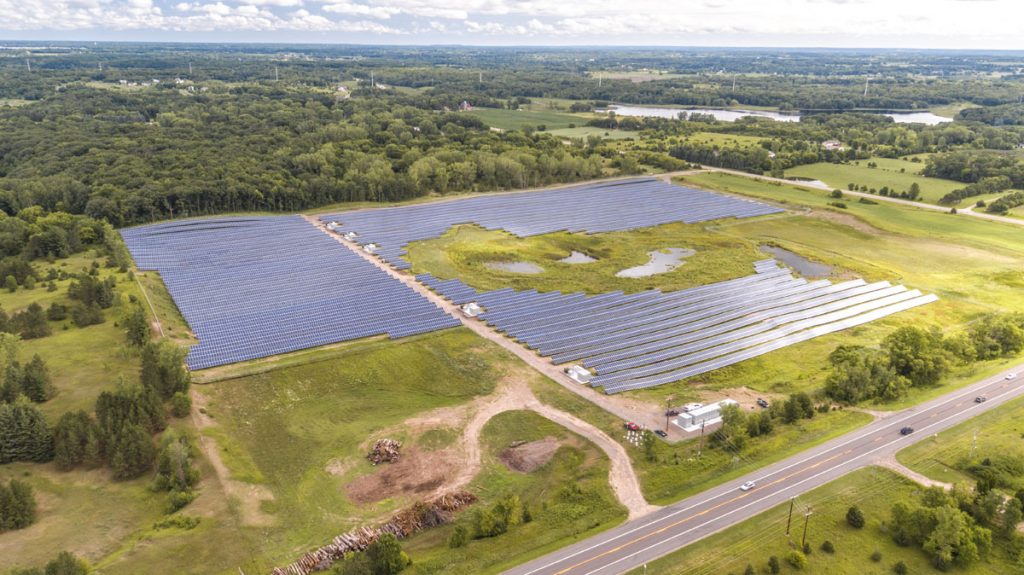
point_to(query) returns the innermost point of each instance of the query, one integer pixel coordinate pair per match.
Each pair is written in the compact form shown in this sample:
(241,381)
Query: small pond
(515,267)
(800,264)
(577,258)
(662,261)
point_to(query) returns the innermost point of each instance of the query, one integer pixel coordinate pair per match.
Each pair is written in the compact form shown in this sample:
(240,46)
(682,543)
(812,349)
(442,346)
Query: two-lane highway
(637,542)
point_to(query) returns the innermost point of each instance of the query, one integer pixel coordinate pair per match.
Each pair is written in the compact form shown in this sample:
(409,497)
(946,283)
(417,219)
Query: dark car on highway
(906,431)
(980,399)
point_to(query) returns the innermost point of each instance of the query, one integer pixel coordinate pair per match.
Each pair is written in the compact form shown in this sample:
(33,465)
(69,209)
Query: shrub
(181,404)
(179,499)
(807,548)
(855,517)
(797,559)
(900,568)
(459,537)
(773,565)
(876,556)
(827,547)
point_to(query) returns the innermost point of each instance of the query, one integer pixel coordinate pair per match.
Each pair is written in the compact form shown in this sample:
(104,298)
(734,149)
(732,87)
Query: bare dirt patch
(531,456)
(746,397)
(846,220)
(249,496)
(417,473)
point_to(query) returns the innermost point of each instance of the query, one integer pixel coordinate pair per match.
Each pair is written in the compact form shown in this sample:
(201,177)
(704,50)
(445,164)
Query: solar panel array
(260,286)
(590,208)
(650,338)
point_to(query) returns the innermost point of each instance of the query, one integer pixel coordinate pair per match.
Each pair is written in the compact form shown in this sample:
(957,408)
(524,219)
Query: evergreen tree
(11,283)
(84,315)
(24,435)
(386,555)
(132,452)
(17,505)
(31,323)
(71,440)
(136,326)
(35,380)
(163,369)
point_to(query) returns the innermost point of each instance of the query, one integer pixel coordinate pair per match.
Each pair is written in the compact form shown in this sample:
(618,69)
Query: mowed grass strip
(519,119)
(758,538)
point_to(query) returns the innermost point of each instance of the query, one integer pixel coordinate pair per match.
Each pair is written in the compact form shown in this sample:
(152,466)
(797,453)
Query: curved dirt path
(516,395)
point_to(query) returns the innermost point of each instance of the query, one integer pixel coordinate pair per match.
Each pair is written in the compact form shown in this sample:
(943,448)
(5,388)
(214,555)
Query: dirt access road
(621,476)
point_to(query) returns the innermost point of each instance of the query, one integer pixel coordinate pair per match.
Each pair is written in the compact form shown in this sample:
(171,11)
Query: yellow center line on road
(695,516)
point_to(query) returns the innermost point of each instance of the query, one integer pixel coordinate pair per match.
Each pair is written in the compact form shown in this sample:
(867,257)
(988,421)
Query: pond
(733,115)
(515,267)
(800,264)
(577,258)
(662,261)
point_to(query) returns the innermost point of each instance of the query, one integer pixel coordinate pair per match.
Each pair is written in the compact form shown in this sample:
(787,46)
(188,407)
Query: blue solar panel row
(650,338)
(589,208)
(260,286)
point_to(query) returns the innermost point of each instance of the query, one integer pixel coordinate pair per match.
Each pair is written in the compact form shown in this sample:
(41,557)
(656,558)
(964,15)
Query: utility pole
(789,522)
(190,68)
(866,78)
(28,64)
(807,518)
(480,78)
(372,84)
(599,78)
(700,449)
(276,78)
(734,83)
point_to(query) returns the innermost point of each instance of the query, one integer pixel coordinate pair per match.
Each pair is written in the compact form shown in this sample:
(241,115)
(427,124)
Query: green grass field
(463,251)
(519,119)
(886,174)
(586,131)
(301,430)
(725,140)
(558,518)
(754,540)
(947,455)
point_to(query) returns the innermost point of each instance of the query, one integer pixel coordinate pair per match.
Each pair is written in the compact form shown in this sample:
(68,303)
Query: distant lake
(733,115)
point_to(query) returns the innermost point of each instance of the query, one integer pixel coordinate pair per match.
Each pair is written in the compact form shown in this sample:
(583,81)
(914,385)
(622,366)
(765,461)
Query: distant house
(710,414)
(465,106)
(833,145)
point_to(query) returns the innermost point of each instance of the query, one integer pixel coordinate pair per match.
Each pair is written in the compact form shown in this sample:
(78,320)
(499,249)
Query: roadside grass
(677,471)
(887,174)
(519,119)
(946,456)
(463,251)
(559,516)
(758,538)
(951,110)
(287,426)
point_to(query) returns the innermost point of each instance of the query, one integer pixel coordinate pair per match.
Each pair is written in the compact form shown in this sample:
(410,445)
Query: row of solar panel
(254,287)
(591,208)
(650,338)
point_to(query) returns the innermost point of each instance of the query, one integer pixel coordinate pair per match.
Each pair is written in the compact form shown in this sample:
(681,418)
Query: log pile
(422,515)
(384,451)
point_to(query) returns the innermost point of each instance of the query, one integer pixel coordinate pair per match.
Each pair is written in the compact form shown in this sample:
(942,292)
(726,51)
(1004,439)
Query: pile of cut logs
(422,515)
(384,451)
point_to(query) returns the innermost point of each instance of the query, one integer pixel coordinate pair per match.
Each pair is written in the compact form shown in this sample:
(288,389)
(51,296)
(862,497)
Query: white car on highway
(1011,376)
(748,486)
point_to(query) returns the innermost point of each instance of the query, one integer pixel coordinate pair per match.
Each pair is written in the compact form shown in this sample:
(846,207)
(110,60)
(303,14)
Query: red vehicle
(631,426)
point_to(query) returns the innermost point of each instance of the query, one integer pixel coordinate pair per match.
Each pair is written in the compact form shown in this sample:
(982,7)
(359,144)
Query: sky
(958,24)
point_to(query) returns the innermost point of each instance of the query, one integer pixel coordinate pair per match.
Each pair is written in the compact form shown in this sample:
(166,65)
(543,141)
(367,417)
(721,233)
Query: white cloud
(942,23)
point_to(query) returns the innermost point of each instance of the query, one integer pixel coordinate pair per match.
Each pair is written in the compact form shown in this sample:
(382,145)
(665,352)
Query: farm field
(294,439)
(754,540)
(888,174)
(725,140)
(949,456)
(520,119)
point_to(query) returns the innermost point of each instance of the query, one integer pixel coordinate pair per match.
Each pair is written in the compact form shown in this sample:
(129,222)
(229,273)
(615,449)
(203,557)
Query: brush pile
(384,451)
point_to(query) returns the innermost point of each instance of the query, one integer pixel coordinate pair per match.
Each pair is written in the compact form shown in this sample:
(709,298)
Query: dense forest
(132,133)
